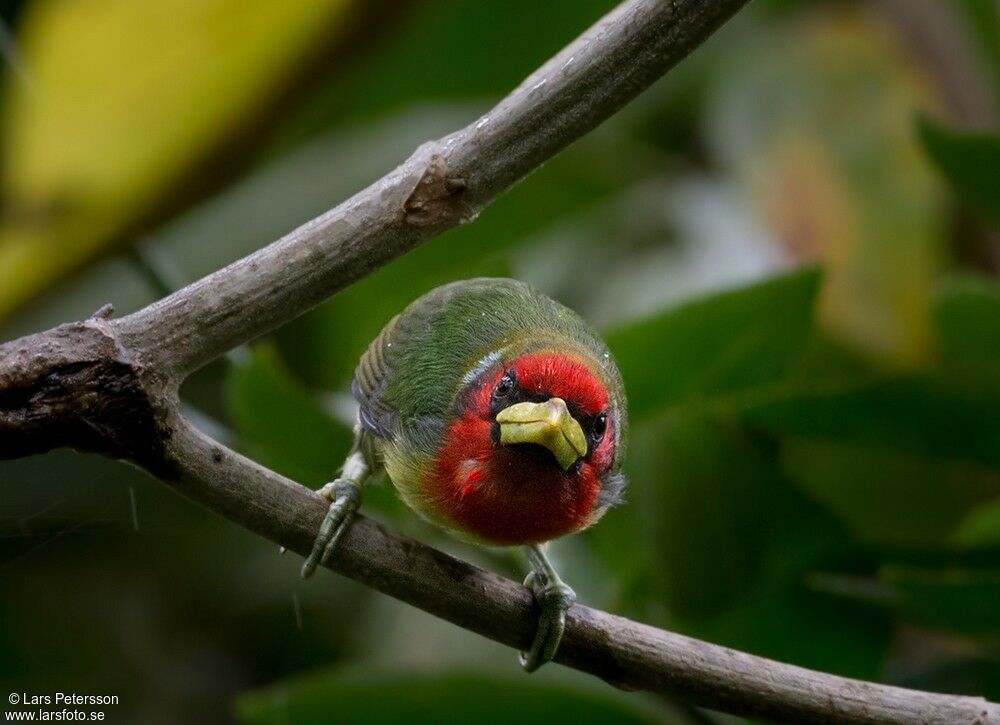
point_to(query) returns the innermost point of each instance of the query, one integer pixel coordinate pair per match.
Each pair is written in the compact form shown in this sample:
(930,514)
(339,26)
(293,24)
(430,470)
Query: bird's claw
(554,599)
(345,497)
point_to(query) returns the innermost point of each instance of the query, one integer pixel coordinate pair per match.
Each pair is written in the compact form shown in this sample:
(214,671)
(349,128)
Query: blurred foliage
(821,137)
(421,697)
(983,18)
(768,237)
(971,162)
(121,106)
(282,424)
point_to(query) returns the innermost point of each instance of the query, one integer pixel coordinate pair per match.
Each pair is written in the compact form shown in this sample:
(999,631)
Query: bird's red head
(523,459)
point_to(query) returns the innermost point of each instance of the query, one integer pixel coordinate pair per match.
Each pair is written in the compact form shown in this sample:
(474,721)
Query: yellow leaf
(123,101)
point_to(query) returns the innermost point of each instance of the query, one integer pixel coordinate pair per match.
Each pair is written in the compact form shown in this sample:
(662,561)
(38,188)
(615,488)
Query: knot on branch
(437,199)
(75,386)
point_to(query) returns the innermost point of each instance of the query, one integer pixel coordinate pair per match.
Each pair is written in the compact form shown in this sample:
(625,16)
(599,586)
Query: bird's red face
(522,461)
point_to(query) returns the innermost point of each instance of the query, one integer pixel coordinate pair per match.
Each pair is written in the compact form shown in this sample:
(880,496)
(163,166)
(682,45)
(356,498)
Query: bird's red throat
(508,495)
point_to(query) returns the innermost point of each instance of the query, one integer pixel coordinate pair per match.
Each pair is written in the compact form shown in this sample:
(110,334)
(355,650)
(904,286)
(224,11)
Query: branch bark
(110,386)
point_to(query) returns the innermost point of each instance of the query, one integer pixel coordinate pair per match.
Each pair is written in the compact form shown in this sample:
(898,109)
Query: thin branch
(445,183)
(111,387)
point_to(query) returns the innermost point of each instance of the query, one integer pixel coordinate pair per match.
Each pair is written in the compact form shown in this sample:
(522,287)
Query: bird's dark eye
(600,426)
(505,387)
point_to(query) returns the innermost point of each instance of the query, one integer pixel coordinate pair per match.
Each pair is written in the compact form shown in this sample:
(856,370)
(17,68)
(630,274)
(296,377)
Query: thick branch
(75,386)
(110,387)
(443,184)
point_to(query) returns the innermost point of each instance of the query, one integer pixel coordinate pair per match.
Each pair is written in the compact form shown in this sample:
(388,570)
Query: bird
(500,416)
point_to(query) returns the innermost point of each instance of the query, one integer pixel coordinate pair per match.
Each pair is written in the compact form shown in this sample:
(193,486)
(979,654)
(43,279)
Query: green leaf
(886,497)
(719,346)
(281,424)
(936,416)
(726,543)
(967,318)
(980,527)
(705,487)
(970,161)
(455,697)
(903,460)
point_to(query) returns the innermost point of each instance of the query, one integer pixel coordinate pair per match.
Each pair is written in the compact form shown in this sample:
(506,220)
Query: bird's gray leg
(554,599)
(344,495)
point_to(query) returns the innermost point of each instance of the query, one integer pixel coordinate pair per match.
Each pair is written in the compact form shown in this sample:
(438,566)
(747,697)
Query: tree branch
(445,183)
(111,387)
(624,653)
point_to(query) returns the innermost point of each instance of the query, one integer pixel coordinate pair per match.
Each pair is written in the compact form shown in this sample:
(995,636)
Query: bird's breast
(506,495)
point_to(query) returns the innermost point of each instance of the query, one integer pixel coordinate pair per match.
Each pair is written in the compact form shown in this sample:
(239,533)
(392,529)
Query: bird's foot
(554,599)
(345,497)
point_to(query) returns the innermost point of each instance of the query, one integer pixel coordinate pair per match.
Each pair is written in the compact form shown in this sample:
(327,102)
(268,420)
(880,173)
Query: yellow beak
(547,424)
